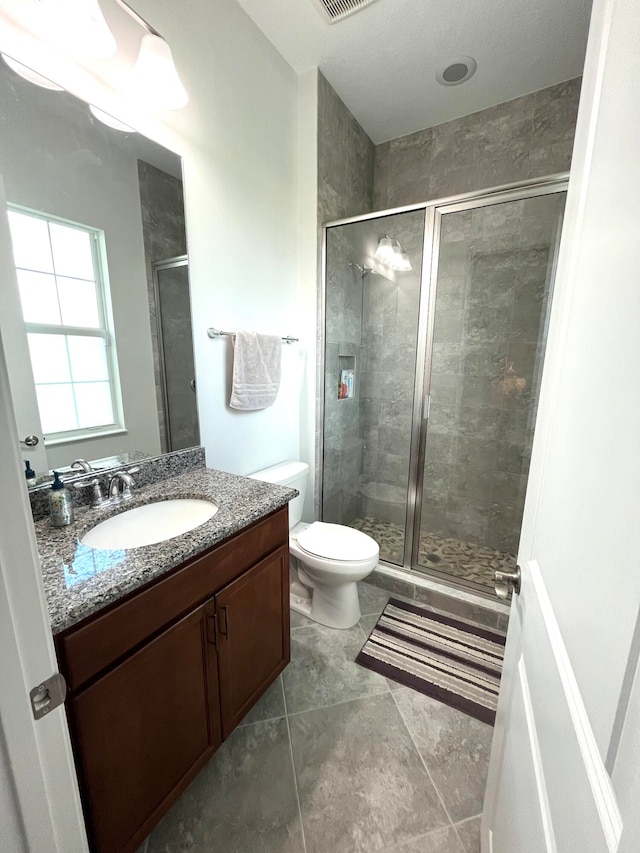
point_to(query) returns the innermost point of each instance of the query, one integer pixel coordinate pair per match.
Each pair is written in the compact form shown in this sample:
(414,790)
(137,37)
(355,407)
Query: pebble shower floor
(463,560)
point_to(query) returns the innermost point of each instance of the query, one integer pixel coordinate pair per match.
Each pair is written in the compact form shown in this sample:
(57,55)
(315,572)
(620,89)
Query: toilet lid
(337,542)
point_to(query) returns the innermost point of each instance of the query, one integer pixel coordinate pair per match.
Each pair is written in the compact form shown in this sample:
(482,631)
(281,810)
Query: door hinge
(427,406)
(48,695)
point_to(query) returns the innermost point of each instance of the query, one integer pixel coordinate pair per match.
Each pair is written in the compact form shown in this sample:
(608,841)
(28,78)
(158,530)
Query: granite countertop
(79,580)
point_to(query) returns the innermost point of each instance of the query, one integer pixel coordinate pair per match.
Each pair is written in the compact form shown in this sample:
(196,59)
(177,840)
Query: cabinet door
(145,729)
(253,635)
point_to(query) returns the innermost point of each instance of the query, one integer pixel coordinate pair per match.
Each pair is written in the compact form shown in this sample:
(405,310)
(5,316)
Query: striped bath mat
(452,661)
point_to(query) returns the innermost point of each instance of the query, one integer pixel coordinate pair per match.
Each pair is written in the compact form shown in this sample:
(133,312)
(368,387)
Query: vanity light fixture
(154,75)
(31,76)
(391,254)
(80,25)
(384,252)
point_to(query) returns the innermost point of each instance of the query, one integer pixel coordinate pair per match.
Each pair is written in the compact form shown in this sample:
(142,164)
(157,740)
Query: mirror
(93,380)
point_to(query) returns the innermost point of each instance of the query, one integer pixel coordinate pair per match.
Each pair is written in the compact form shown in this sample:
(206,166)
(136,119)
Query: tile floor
(465,560)
(336,759)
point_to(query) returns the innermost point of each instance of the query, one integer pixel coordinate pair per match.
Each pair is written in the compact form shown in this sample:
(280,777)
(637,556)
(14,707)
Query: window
(64,304)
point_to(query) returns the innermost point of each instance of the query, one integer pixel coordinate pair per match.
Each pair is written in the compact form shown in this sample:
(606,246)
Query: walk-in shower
(432,375)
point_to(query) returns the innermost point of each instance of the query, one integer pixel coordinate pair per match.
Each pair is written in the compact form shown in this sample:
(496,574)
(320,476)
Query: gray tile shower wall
(345,188)
(164,236)
(345,159)
(528,137)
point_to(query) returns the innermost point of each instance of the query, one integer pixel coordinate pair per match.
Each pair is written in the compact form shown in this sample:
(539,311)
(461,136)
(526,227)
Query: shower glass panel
(371,346)
(489,320)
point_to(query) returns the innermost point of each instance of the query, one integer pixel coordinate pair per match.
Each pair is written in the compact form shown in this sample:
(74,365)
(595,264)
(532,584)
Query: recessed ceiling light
(456,71)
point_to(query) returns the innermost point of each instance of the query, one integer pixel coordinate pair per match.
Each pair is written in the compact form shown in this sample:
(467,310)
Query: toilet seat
(337,542)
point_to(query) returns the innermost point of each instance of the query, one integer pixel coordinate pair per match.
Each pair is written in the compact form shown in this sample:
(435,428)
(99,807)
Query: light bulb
(384,252)
(154,76)
(31,76)
(405,265)
(395,262)
(109,120)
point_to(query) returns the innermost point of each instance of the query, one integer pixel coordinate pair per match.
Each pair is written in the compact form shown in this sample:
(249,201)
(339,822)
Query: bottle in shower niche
(60,503)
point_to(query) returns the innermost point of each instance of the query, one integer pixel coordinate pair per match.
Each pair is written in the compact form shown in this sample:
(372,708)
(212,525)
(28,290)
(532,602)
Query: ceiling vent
(336,10)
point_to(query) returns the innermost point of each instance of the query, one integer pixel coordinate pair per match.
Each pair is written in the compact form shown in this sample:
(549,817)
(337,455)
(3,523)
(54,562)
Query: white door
(17,352)
(556,780)
(39,799)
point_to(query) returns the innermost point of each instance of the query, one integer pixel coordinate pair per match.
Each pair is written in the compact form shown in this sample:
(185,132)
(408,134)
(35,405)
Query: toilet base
(335,607)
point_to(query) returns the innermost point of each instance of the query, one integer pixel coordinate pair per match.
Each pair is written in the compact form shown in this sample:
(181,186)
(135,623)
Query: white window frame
(105,331)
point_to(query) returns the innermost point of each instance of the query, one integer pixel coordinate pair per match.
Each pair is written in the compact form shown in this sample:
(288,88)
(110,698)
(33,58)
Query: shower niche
(346,377)
(431,458)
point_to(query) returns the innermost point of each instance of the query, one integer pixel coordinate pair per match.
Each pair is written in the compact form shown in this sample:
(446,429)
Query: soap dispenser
(30,474)
(60,503)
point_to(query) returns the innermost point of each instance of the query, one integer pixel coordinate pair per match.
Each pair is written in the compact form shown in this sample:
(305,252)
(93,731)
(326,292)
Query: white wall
(587,452)
(54,162)
(238,138)
(240,190)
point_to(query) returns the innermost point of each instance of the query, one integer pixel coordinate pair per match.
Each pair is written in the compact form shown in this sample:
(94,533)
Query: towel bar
(216,333)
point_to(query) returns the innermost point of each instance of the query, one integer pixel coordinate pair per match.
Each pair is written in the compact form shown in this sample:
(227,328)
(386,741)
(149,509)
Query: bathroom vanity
(166,664)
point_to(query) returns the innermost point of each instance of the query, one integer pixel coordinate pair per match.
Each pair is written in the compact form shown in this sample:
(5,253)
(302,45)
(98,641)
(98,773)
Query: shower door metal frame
(434,210)
(553,186)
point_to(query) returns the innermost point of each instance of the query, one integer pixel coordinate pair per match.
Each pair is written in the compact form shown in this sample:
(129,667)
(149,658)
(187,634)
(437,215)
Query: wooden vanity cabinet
(252,649)
(146,726)
(146,713)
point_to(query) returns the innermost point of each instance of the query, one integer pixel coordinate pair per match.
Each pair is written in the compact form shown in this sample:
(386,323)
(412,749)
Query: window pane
(49,358)
(38,297)
(30,238)
(71,251)
(88,359)
(93,401)
(78,302)
(57,410)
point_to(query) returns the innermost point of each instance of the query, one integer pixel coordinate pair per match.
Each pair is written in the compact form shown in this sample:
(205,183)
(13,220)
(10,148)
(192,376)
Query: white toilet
(330,558)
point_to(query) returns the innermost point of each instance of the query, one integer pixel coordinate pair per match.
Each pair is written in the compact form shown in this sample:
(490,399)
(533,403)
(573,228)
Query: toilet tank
(293,474)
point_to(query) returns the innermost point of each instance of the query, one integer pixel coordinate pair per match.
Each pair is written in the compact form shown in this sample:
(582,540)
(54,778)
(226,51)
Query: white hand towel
(256,370)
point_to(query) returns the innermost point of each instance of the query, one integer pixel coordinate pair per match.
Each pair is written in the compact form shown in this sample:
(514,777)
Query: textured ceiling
(382,60)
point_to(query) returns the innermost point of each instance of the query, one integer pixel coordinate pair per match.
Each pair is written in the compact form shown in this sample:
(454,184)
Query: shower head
(364,271)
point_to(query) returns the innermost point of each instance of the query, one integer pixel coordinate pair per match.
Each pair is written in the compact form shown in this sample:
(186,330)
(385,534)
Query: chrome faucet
(82,465)
(97,498)
(121,484)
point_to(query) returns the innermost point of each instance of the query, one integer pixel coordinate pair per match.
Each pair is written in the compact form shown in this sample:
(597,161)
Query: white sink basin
(148,524)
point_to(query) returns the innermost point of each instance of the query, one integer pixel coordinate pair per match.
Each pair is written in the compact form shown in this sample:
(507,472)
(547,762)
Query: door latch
(506,582)
(48,695)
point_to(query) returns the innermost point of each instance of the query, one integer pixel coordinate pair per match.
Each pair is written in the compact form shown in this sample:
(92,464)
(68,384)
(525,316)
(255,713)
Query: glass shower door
(489,322)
